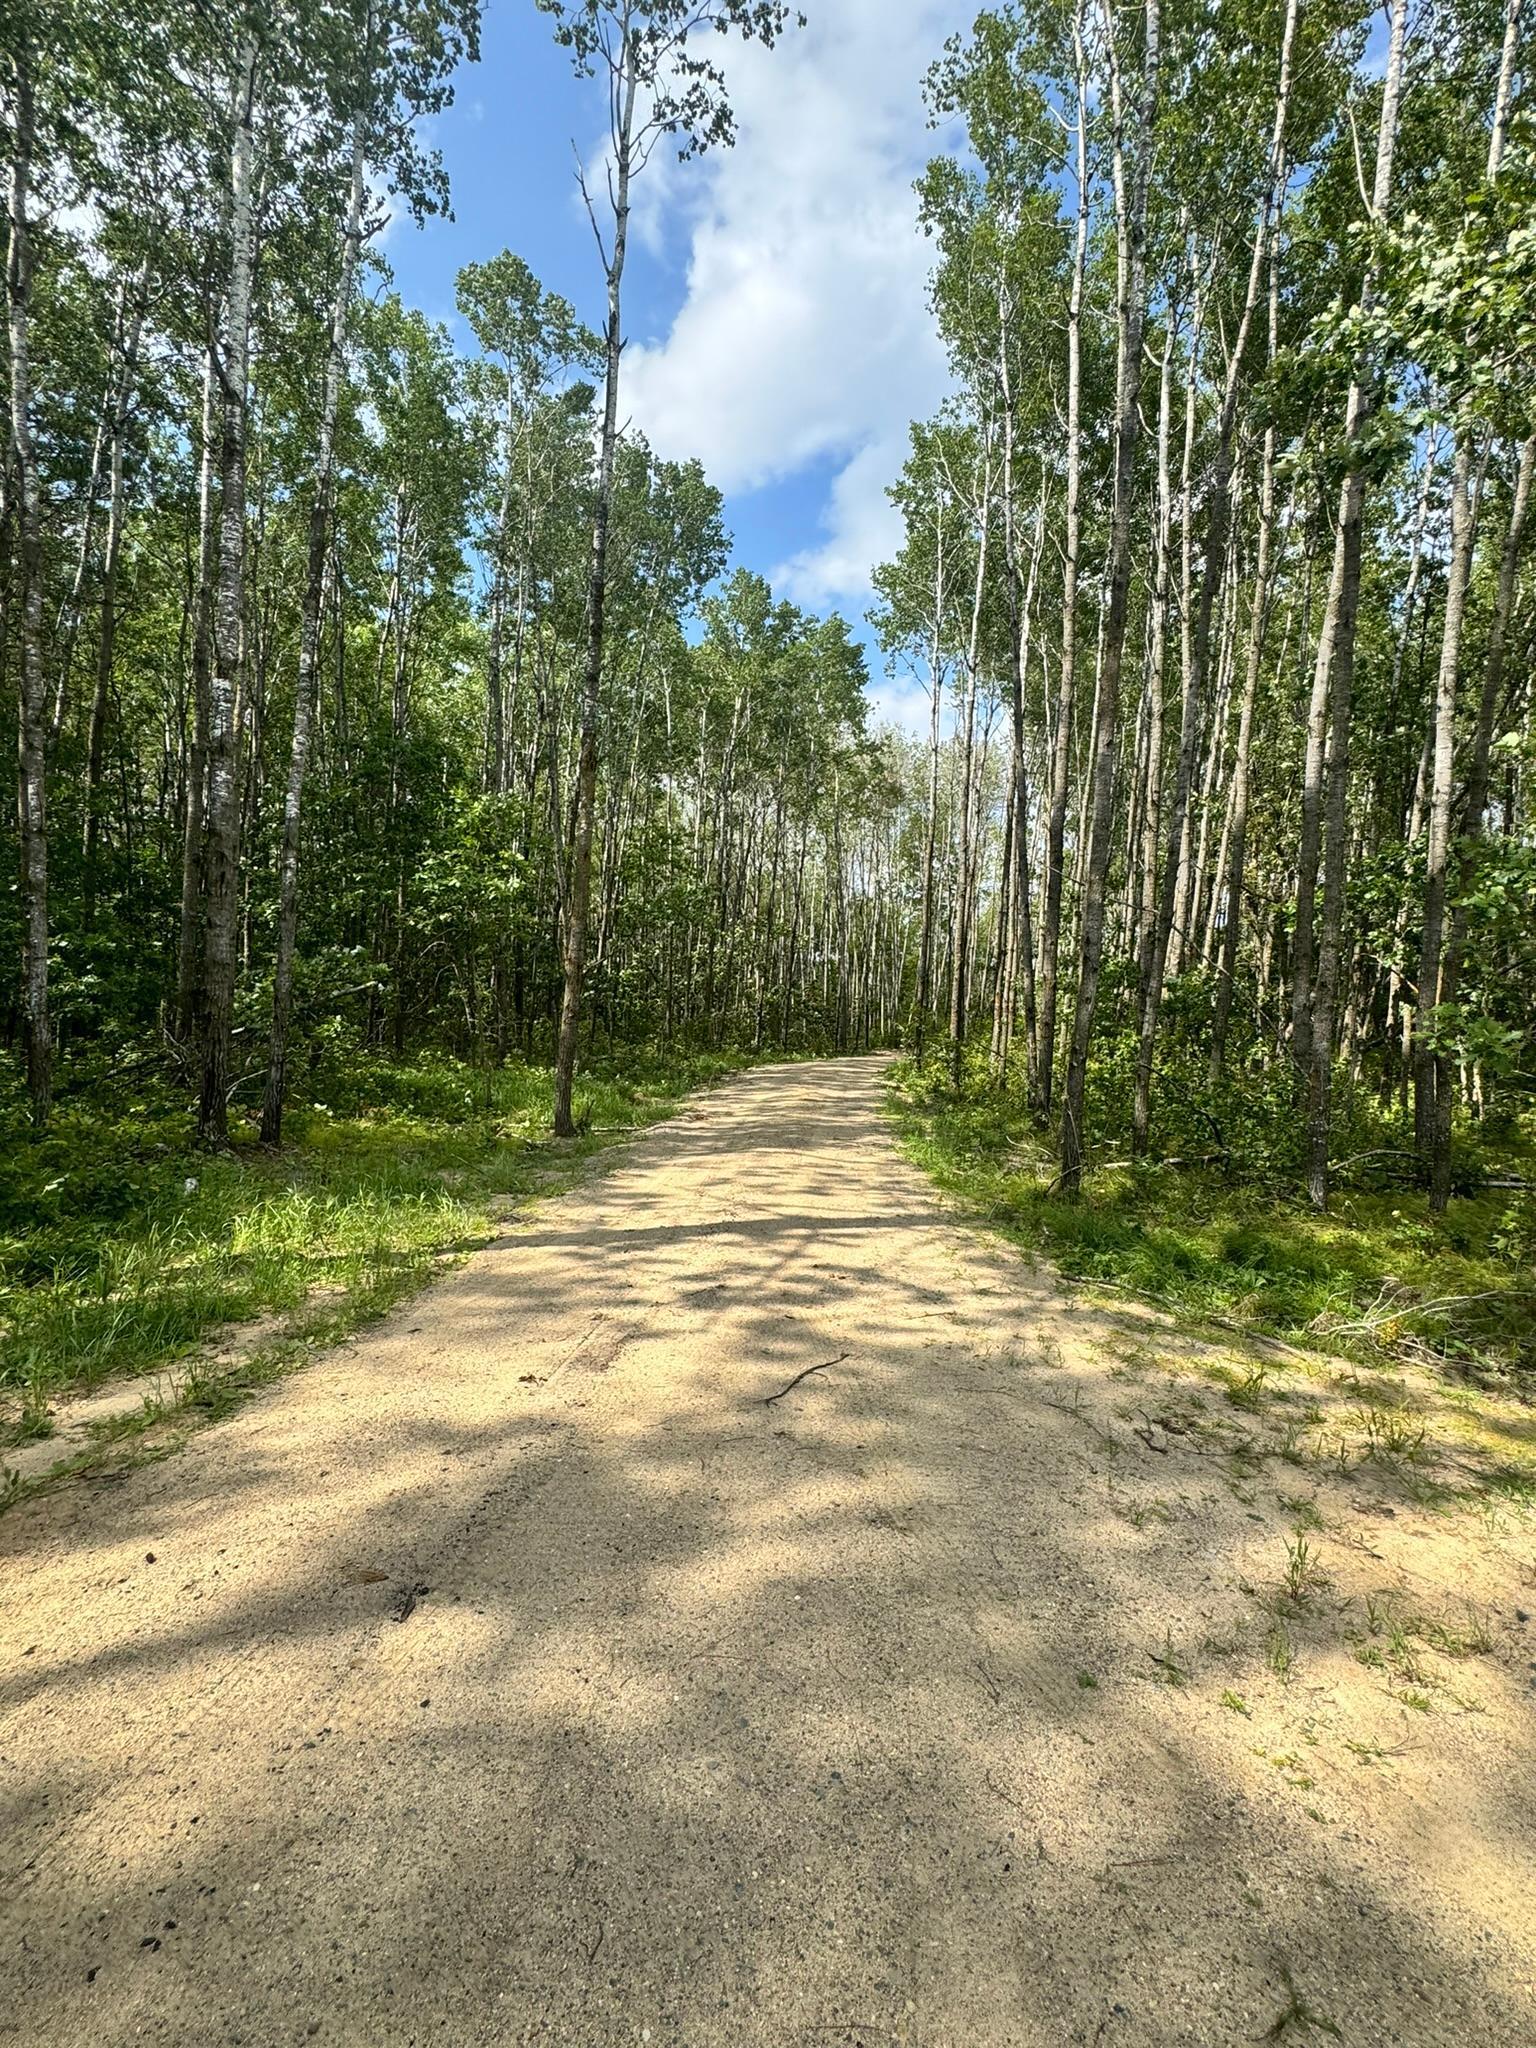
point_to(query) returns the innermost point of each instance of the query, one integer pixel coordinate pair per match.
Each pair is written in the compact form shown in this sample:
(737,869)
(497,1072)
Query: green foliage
(657,44)
(1229,1239)
(122,1249)
(1461,293)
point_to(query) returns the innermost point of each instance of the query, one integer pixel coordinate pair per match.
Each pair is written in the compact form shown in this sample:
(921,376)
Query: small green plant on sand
(1304,1577)
(1170,1667)
(1296,2017)
(1280,1651)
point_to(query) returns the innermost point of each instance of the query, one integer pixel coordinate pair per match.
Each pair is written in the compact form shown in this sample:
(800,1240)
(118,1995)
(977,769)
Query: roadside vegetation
(124,1250)
(1212,1225)
(395,748)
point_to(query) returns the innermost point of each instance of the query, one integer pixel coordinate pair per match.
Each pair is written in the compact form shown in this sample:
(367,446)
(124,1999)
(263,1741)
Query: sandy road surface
(834,1720)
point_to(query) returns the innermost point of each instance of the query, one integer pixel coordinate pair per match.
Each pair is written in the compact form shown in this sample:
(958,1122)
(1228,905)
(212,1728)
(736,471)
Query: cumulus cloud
(859,524)
(900,701)
(804,334)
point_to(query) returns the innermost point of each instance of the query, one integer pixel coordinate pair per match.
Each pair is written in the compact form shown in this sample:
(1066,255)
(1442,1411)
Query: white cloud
(860,526)
(901,701)
(805,335)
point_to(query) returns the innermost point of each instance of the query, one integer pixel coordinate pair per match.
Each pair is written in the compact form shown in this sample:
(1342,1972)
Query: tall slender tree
(32,722)
(1131,151)
(647,54)
(1333,678)
(222,812)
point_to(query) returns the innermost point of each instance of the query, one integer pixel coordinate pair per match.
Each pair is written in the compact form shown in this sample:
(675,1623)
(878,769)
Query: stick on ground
(769,1399)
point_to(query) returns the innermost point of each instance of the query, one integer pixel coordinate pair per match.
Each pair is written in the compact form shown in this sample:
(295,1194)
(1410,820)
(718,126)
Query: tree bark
(1415,814)
(107,633)
(189,945)
(222,835)
(1217,519)
(1431,1066)
(579,904)
(1258,619)
(1335,669)
(1156,668)
(1498,633)
(1061,741)
(964,905)
(924,1001)
(1130,317)
(32,721)
(306,680)
(1015,947)
(1438,974)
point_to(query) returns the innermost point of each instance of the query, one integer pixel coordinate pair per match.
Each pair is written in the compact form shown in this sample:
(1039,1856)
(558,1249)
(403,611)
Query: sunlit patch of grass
(1396,1637)
(1244,1385)
(1231,1247)
(122,1249)
(1515,1483)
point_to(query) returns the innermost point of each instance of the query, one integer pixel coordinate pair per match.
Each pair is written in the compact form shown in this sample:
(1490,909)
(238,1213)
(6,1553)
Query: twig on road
(1151,1442)
(406,1598)
(769,1399)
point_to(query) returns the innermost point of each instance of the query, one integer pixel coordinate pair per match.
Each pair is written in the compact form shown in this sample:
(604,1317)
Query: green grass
(122,1249)
(1232,1248)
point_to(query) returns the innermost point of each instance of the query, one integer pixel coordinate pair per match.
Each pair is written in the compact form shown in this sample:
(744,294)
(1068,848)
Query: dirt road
(523,1673)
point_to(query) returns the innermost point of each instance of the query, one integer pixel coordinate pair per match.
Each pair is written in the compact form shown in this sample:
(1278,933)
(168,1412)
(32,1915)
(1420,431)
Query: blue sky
(774,299)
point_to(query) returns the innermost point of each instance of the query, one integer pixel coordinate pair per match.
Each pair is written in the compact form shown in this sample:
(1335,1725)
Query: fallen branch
(769,1399)
(1378,1152)
(1396,1308)
(1092,1166)
(1482,1183)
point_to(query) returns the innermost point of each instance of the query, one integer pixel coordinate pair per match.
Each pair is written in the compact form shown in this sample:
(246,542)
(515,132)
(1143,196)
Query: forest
(409,784)
(768,1023)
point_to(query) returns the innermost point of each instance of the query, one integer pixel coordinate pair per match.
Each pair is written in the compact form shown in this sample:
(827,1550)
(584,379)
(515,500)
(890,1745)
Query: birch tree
(656,84)
(1131,163)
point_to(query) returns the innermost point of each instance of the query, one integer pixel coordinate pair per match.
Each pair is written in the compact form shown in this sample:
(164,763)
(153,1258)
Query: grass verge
(1377,1276)
(123,1250)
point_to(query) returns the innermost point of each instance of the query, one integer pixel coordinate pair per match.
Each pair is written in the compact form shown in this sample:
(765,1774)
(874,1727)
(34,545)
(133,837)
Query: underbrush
(1222,1234)
(122,1247)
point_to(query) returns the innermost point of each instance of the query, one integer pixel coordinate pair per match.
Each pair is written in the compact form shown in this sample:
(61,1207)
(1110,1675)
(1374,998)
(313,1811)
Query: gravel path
(523,1673)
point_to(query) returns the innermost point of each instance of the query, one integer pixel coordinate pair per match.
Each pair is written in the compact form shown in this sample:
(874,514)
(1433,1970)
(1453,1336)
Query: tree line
(371,690)
(1226,516)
